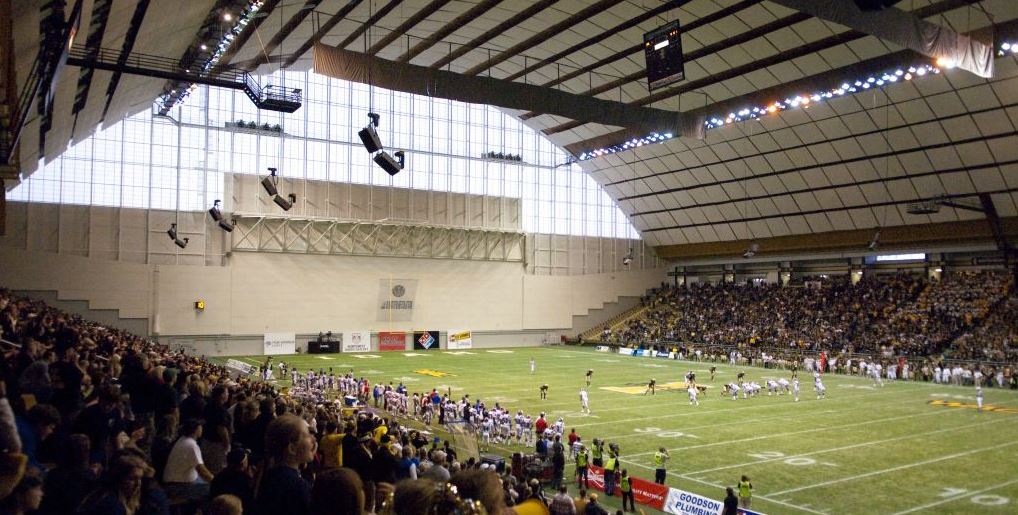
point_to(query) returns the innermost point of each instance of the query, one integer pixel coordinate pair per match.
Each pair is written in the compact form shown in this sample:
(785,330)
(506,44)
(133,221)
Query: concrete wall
(255,293)
(107,317)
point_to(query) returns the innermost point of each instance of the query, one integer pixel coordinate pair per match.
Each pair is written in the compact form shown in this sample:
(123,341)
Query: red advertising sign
(391,341)
(644,492)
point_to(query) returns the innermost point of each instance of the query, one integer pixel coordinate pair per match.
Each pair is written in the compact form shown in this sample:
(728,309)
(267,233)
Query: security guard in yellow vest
(627,491)
(745,492)
(598,453)
(659,465)
(611,466)
(582,460)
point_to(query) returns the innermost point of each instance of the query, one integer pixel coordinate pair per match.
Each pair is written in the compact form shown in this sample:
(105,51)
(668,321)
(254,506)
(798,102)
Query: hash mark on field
(325,357)
(500,351)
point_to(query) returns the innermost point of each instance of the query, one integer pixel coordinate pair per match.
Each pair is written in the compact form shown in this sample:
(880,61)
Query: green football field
(904,448)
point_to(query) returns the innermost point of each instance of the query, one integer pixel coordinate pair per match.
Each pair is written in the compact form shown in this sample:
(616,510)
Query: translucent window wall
(177,163)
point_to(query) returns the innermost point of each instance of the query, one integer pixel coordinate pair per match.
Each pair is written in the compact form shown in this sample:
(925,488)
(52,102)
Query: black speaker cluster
(392,164)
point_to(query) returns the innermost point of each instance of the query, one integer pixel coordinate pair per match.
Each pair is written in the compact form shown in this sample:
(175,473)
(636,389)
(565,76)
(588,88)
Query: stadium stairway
(594,333)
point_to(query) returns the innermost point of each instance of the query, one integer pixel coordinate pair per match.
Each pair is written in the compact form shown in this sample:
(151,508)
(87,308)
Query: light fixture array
(1008,48)
(872,81)
(217,52)
(803,100)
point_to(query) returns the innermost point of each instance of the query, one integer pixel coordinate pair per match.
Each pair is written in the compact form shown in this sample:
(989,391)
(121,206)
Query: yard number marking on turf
(661,433)
(795,460)
(366,356)
(500,351)
(413,354)
(461,353)
(325,357)
(983,499)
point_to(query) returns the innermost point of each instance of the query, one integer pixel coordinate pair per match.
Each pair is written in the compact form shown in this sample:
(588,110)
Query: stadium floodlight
(628,258)
(181,243)
(226,226)
(923,207)
(269,183)
(284,203)
(172,231)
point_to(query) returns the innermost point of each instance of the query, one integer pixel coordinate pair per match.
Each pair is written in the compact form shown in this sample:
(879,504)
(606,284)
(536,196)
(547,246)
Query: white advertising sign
(681,502)
(460,339)
(396,300)
(280,343)
(356,341)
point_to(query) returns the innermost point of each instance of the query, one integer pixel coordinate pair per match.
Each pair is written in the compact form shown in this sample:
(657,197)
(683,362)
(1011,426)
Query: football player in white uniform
(875,373)
(795,388)
(692,391)
(733,389)
(979,399)
(783,383)
(584,405)
(772,387)
(818,385)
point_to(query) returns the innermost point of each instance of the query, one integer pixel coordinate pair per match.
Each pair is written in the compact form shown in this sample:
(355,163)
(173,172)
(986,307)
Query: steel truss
(303,235)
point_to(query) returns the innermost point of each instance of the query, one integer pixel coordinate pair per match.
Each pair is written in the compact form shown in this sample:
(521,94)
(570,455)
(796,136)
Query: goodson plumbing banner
(396,300)
(356,341)
(280,343)
(460,340)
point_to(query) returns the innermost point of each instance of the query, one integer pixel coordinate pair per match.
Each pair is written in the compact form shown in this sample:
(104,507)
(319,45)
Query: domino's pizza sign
(425,340)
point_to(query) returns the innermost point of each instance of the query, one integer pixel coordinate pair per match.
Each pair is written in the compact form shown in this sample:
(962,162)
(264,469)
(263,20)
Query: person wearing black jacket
(731,502)
(235,479)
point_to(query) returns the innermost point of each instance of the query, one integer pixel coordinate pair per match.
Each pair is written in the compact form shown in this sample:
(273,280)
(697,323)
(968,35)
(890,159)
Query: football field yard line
(899,467)
(965,495)
(792,433)
(846,447)
(722,410)
(754,420)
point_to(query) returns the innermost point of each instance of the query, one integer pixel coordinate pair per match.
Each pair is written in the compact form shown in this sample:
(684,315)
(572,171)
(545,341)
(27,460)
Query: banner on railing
(644,492)
(280,343)
(391,341)
(357,341)
(425,340)
(239,366)
(460,340)
(602,348)
(681,502)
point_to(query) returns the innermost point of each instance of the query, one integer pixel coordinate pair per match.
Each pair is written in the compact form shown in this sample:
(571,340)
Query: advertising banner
(681,502)
(644,492)
(356,341)
(396,300)
(280,343)
(391,341)
(626,351)
(239,366)
(460,340)
(424,340)
(601,348)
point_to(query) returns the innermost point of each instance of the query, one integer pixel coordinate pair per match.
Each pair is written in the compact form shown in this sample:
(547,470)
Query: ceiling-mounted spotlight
(269,183)
(401,158)
(214,211)
(875,240)
(284,203)
(387,163)
(369,136)
(629,257)
(751,250)
(182,243)
(226,226)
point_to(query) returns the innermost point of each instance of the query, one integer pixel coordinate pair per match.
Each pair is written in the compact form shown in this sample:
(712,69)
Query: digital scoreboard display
(662,48)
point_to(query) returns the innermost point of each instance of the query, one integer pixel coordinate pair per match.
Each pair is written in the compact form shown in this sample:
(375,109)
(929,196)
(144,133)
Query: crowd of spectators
(97,421)
(900,314)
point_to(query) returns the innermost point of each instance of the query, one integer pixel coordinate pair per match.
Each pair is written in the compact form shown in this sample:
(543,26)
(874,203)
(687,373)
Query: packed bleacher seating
(94,420)
(900,314)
